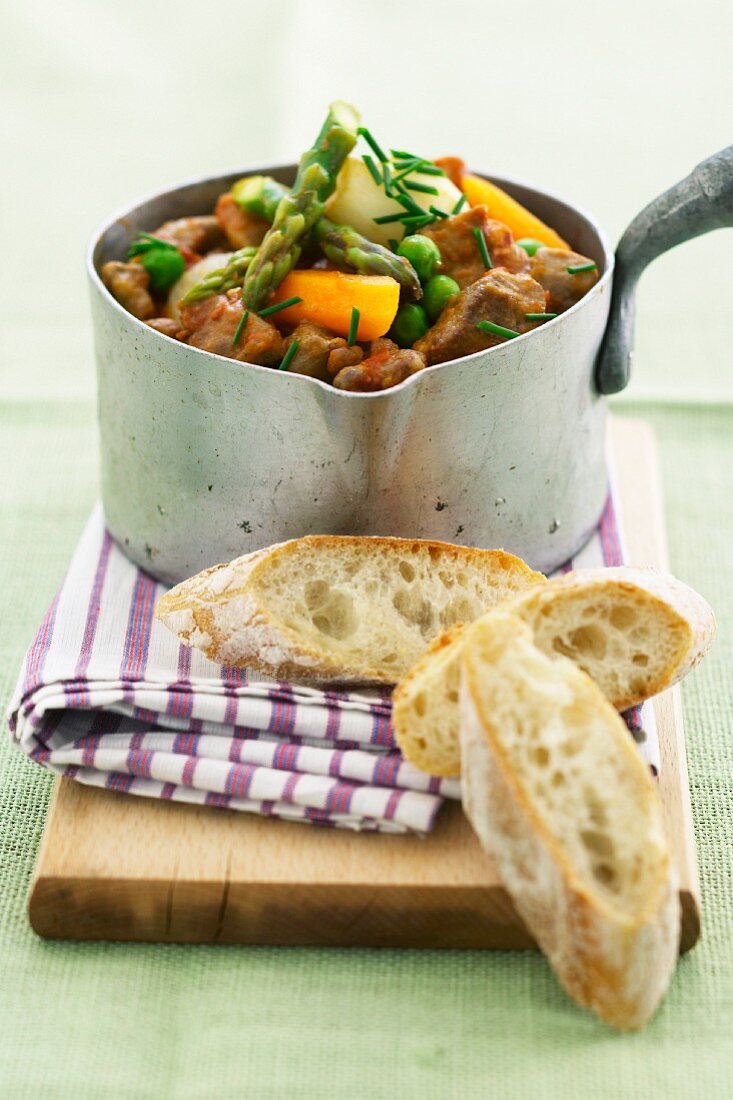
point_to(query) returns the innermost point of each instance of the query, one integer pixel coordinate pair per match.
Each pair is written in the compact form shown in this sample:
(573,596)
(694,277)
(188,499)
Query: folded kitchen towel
(107,696)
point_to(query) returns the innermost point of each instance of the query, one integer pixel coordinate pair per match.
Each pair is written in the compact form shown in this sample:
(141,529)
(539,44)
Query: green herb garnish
(424,187)
(497,330)
(290,353)
(280,305)
(240,328)
(481,242)
(577,269)
(431,169)
(353,327)
(387,219)
(438,213)
(540,316)
(407,167)
(400,154)
(418,221)
(393,244)
(406,200)
(387,179)
(373,170)
(459,206)
(370,140)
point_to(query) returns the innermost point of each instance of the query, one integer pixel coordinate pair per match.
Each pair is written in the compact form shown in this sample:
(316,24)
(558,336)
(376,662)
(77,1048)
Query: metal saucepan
(205,458)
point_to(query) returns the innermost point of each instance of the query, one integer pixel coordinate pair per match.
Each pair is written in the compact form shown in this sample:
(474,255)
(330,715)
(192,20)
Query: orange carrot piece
(330,296)
(505,209)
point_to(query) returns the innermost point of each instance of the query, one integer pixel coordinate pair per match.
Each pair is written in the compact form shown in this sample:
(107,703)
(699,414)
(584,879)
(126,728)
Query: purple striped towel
(106,696)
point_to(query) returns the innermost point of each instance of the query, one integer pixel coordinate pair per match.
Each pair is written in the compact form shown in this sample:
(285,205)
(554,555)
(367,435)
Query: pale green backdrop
(103,101)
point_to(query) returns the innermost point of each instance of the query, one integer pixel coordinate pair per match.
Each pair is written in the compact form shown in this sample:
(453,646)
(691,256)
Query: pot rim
(289,378)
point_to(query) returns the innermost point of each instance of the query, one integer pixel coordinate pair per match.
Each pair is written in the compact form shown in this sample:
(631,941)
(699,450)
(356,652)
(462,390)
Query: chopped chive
(407,167)
(400,154)
(497,330)
(424,187)
(280,305)
(289,355)
(540,316)
(240,328)
(353,326)
(393,243)
(406,200)
(459,206)
(431,169)
(481,242)
(438,213)
(373,170)
(387,219)
(387,179)
(370,140)
(576,269)
(417,221)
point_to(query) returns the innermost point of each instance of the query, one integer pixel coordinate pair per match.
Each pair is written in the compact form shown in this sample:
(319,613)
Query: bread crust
(220,612)
(616,964)
(695,630)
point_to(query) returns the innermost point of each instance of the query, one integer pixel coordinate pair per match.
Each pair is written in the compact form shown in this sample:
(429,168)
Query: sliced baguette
(338,608)
(635,632)
(561,799)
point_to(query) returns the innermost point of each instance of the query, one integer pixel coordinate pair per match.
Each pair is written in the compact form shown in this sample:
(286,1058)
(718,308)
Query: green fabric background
(108,1020)
(102,101)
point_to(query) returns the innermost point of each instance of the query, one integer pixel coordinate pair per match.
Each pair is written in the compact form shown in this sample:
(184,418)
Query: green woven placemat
(106,1020)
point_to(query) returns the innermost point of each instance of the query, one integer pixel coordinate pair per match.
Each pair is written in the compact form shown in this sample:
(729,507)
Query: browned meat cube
(166,325)
(198,234)
(454,168)
(213,322)
(459,248)
(499,296)
(385,366)
(128,282)
(241,228)
(549,266)
(316,346)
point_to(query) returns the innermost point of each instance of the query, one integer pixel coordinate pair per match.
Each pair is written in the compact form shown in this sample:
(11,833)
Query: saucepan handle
(700,202)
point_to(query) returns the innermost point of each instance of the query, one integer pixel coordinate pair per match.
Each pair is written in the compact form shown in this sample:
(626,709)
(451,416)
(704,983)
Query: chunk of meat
(499,296)
(317,348)
(454,168)
(129,282)
(459,248)
(241,229)
(385,366)
(549,266)
(213,322)
(166,325)
(197,234)
(341,357)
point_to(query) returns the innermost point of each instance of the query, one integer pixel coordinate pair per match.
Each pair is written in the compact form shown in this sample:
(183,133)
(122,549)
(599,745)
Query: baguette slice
(557,793)
(635,632)
(338,608)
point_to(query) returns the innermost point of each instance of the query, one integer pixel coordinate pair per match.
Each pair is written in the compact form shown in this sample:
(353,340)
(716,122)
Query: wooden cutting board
(114,867)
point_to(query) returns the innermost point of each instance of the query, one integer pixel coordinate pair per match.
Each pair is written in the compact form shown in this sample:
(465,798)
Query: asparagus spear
(298,212)
(261,195)
(224,278)
(344,246)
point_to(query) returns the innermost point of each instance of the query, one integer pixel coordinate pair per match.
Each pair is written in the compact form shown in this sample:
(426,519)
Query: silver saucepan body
(204,458)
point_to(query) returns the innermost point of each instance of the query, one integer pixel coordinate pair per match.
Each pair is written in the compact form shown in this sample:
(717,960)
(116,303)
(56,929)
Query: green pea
(530,245)
(437,292)
(422,253)
(164,266)
(409,325)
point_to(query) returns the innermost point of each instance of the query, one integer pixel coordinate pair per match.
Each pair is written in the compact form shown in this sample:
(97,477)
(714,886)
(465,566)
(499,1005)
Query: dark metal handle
(700,202)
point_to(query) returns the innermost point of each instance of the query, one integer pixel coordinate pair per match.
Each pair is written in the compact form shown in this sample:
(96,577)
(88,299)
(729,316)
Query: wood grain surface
(116,867)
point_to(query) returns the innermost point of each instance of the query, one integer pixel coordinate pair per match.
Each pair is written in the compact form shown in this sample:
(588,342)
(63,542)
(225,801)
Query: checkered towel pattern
(106,696)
